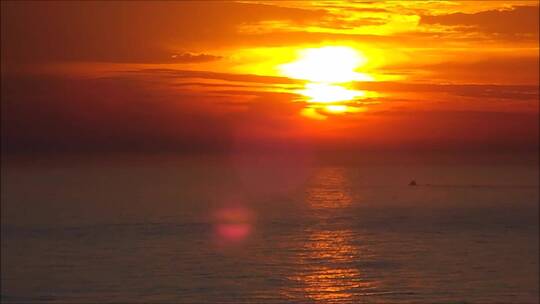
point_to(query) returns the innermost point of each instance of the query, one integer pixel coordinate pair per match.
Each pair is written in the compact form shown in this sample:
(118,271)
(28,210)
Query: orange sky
(207,75)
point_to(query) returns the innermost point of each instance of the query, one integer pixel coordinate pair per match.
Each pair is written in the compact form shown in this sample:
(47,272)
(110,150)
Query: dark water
(200,234)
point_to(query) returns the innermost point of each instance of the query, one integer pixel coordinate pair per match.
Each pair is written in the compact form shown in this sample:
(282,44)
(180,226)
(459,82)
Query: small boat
(412,183)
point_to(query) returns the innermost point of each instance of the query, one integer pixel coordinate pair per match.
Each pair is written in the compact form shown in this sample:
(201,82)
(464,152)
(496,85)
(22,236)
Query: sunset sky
(209,76)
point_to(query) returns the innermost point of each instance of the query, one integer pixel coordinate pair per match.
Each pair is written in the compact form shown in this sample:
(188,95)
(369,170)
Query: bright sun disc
(321,92)
(331,64)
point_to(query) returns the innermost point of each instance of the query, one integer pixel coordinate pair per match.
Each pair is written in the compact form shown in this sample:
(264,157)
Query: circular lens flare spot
(233,224)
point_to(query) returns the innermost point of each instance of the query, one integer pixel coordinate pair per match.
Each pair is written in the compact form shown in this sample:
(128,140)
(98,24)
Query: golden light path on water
(329,72)
(328,273)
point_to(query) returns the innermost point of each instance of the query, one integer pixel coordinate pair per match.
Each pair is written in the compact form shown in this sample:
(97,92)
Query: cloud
(443,130)
(510,68)
(57,114)
(478,91)
(192,58)
(520,21)
(134,114)
(180,74)
(119,32)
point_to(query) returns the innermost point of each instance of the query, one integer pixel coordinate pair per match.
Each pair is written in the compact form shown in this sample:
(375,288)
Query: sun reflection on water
(329,190)
(329,273)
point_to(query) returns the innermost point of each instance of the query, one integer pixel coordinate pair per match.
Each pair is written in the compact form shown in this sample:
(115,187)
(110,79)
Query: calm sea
(212,232)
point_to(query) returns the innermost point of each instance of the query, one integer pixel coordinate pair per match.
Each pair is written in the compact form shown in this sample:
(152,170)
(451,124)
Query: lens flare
(233,224)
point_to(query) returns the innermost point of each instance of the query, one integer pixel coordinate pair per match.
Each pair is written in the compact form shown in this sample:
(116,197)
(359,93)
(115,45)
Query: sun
(327,93)
(328,73)
(329,65)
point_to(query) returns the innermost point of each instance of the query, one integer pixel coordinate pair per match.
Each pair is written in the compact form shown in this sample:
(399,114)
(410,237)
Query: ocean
(212,232)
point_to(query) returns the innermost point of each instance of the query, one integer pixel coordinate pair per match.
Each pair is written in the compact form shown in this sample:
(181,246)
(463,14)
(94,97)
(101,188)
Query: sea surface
(212,232)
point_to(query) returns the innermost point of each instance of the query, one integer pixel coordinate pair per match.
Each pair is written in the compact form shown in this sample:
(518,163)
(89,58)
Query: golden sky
(203,75)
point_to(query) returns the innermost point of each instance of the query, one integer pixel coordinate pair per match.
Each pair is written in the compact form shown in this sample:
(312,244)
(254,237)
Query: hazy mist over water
(204,232)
